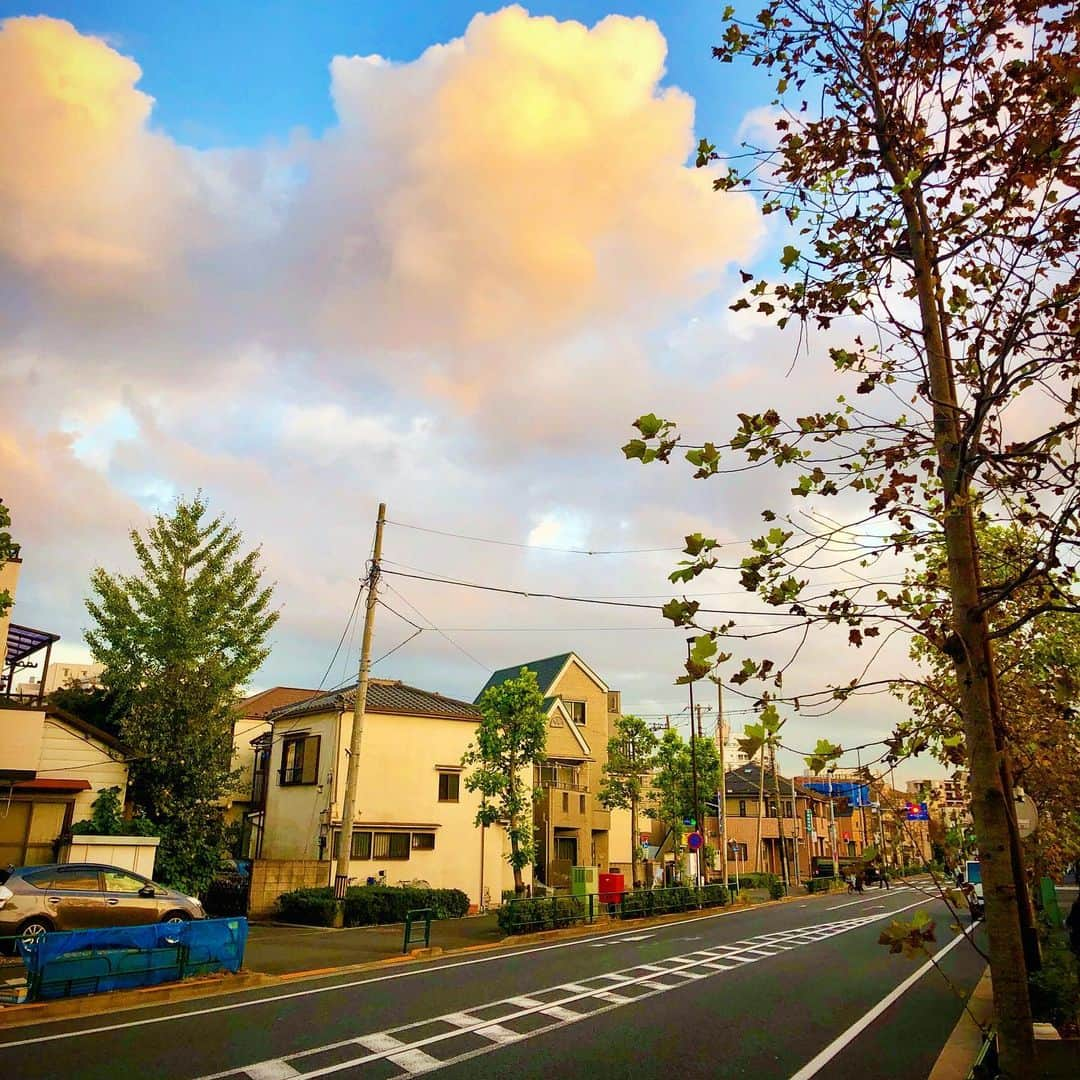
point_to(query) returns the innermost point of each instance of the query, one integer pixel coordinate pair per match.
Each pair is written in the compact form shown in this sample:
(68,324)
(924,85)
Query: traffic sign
(1027,815)
(694,841)
(689,822)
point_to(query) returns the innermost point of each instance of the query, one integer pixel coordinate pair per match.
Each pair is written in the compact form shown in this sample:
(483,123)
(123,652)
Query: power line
(344,631)
(431,626)
(532,547)
(400,645)
(530,594)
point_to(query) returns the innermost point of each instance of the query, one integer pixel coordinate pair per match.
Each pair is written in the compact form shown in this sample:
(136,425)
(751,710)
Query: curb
(14,1016)
(963,1045)
(42,1012)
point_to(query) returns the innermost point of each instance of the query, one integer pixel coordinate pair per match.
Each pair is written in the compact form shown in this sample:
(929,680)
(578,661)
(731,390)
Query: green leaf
(789,257)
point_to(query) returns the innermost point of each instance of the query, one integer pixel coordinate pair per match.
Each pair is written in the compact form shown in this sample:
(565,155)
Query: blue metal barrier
(74,962)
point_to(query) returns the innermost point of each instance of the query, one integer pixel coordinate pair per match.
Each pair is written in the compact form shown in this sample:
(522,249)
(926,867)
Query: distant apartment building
(948,799)
(63,676)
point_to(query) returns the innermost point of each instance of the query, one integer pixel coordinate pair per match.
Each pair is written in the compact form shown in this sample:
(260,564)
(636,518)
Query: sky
(310,257)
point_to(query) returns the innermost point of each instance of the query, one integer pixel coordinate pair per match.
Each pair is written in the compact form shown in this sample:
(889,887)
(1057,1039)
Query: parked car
(971,885)
(79,896)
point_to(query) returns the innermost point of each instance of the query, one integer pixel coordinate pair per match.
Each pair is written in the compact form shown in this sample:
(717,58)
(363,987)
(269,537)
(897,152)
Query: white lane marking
(272,1070)
(617,999)
(414,1061)
(379,1042)
(557,1012)
(463,1019)
(499,1034)
(642,937)
(864,900)
(394,1044)
(815,1065)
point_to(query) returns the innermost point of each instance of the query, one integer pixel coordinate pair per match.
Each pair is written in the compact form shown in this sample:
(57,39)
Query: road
(762,993)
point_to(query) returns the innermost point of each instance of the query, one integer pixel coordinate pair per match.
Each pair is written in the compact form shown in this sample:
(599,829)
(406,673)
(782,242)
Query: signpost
(694,841)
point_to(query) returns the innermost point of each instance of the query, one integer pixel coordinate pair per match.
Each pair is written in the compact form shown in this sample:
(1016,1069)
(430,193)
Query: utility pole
(721,795)
(832,826)
(693,763)
(348,811)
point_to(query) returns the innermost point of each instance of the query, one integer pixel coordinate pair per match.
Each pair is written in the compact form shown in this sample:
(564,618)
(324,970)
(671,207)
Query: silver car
(80,896)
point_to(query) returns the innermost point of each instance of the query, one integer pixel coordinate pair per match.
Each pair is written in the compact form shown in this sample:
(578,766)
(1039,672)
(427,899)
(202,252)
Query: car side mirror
(147,890)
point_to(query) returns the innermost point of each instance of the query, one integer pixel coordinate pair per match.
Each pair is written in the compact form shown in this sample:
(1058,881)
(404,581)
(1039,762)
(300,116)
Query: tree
(672,790)
(178,641)
(1039,691)
(8,550)
(512,736)
(926,165)
(94,704)
(626,774)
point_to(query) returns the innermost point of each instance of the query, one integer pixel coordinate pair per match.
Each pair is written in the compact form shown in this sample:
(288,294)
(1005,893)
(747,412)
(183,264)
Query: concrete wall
(136,853)
(21,734)
(9,579)
(272,877)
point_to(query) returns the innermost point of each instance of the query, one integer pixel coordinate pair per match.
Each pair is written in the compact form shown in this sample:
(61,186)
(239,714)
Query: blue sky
(227,74)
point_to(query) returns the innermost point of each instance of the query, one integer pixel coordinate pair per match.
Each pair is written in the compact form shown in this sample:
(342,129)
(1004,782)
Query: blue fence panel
(67,963)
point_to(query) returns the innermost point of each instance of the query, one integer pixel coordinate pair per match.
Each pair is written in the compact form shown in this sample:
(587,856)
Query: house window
(361,845)
(259,775)
(389,845)
(742,808)
(449,786)
(300,760)
(423,841)
(788,810)
(566,802)
(582,798)
(576,709)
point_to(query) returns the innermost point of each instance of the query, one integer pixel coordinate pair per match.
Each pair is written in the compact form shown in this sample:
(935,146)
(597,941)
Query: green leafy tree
(94,704)
(625,776)
(825,754)
(178,642)
(672,789)
(8,550)
(511,737)
(107,818)
(926,165)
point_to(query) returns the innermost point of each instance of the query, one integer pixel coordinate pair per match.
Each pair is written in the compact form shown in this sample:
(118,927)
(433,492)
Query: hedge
(542,913)
(370,905)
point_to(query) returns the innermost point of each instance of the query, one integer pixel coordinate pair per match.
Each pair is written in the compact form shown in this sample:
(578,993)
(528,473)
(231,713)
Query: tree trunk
(760,815)
(970,649)
(635,861)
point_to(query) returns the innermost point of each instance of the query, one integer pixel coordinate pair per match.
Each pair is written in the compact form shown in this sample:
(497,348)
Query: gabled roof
(547,672)
(746,780)
(259,705)
(385,696)
(555,704)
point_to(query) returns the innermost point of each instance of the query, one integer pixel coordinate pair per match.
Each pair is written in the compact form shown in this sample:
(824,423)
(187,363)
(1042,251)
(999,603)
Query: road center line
(815,1065)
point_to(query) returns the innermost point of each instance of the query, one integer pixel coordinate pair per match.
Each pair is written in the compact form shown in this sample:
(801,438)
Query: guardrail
(77,962)
(529,915)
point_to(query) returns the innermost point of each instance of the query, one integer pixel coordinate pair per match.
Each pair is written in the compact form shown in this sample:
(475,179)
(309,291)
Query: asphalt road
(760,993)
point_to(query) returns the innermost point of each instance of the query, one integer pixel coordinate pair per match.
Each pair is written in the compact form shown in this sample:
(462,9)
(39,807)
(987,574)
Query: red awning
(47,784)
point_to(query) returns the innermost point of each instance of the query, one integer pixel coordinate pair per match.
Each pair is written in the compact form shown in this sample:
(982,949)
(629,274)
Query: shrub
(547,913)
(106,818)
(1055,988)
(370,905)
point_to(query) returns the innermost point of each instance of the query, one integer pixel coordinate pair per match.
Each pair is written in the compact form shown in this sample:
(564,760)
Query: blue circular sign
(694,841)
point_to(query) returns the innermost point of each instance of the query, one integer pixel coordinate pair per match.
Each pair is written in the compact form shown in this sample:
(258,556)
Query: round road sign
(694,841)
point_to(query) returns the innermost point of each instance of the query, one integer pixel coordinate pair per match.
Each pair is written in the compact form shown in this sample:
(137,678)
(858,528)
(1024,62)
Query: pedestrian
(859,882)
(1072,921)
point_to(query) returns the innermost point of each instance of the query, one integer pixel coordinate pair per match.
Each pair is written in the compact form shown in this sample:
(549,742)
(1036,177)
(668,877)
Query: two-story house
(572,828)
(415,819)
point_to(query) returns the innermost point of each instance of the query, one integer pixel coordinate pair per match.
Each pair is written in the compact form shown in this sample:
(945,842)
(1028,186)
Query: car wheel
(33,929)
(176,917)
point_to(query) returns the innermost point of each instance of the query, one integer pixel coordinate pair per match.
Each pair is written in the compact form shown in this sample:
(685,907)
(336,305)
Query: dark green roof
(547,671)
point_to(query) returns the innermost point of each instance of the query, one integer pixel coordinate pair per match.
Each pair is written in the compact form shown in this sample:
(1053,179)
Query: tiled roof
(746,780)
(384,696)
(277,697)
(547,670)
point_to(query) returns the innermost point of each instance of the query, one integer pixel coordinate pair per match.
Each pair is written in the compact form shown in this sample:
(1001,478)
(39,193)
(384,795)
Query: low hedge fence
(369,905)
(529,915)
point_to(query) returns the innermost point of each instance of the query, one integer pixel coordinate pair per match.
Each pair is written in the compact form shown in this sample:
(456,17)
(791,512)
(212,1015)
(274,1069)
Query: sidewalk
(275,949)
